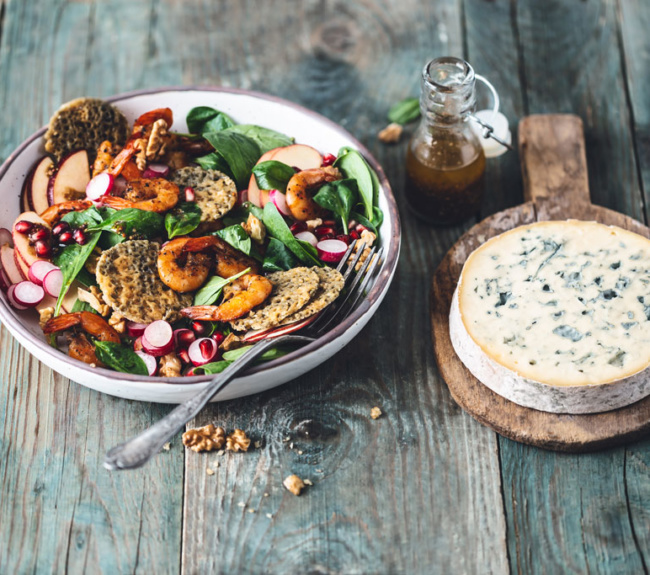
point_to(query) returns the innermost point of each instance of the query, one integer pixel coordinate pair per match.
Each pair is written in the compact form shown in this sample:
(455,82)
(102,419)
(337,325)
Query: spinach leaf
(265,138)
(250,208)
(338,197)
(211,368)
(214,161)
(183,219)
(211,290)
(130,222)
(365,222)
(278,228)
(90,217)
(404,112)
(273,175)
(268,355)
(237,237)
(205,119)
(353,166)
(278,257)
(120,358)
(239,151)
(71,260)
(86,278)
(110,239)
(83,306)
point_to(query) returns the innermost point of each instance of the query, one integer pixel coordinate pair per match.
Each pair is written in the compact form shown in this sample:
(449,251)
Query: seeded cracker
(85,123)
(216,193)
(292,290)
(128,278)
(329,288)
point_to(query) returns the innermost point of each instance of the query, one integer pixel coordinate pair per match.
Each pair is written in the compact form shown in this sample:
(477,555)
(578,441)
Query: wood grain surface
(423,489)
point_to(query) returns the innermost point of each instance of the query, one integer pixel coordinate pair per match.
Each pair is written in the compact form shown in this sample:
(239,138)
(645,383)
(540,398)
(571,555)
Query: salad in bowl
(165,253)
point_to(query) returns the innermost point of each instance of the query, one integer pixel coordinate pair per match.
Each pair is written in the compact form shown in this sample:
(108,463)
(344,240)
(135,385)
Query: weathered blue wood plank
(60,511)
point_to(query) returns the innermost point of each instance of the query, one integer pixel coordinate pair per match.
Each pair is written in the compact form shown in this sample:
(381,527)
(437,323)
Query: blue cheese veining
(563,304)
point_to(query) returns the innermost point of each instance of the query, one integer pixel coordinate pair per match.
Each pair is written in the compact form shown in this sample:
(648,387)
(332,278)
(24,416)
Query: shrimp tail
(115,202)
(61,323)
(202,312)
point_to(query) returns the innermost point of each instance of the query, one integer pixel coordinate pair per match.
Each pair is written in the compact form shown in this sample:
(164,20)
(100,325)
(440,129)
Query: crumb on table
(375,413)
(294,484)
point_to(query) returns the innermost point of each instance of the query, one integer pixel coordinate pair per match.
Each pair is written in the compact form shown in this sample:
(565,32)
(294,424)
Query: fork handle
(139,449)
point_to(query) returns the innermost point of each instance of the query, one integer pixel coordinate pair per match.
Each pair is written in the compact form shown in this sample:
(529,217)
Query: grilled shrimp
(228,260)
(180,270)
(104,158)
(243,295)
(151,195)
(301,189)
(54,213)
(83,322)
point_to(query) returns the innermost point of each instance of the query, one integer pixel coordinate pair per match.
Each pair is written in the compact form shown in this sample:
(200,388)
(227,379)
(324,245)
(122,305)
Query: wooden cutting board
(554,165)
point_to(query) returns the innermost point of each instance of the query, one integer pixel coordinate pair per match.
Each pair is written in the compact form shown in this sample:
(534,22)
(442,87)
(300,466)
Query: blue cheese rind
(556,316)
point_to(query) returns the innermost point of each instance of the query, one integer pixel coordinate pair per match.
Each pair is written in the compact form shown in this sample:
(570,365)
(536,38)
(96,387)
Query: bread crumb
(299,452)
(294,484)
(241,504)
(251,510)
(167,446)
(209,471)
(257,444)
(266,495)
(307,482)
(269,516)
(375,412)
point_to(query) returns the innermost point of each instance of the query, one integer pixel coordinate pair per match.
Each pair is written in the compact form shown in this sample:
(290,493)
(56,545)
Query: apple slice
(23,268)
(35,189)
(25,252)
(70,180)
(9,264)
(297,156)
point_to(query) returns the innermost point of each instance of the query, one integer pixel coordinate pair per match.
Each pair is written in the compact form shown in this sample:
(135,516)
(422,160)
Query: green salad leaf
(339,197)
(214,161)
(405,111)
(205,119)
(130,222)
(183,219)
(211,290)
(239,151)
(273,175)
(237,237)
(120,358)
(265,138)
(90,217)
(83,306)
(354,167)
(278,257)
(211,368)
(372,226)
(268,355)
(278,228)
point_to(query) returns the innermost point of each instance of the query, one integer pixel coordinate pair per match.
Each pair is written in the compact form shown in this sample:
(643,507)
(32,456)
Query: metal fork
(138,450)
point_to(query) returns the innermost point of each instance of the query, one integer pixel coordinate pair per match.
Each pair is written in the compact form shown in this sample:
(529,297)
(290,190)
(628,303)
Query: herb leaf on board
(405,111)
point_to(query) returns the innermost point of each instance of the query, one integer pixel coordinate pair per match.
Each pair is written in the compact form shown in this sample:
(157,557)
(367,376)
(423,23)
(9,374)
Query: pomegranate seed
(38,234)
(344,238)
(218,338)
(190,196)
(80,237)
(298,227)
(185,357)
(189,372)
(330,223)
(354,235)
(42,249)
(65,237)
(23,227)
(206,348)
(198,328)
(324,231)
(328,159)
(60,228)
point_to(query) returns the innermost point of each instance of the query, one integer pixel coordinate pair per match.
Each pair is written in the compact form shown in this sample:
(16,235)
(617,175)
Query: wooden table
(423,489)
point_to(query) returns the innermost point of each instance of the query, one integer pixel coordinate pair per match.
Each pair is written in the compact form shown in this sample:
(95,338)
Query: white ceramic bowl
(245,107)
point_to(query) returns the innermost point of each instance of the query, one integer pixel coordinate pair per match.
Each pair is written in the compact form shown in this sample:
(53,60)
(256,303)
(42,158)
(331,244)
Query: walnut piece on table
(391,134)
(294,484)
(238,441)
(204,438)
(375,412)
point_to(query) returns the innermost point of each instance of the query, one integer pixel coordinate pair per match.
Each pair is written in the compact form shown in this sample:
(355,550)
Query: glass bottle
(445,163)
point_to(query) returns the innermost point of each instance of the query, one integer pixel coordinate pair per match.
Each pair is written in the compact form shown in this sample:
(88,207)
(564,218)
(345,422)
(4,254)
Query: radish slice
(202,351)
(156,171)
(154,350)
(12,299)
(38,270)
(135,329)
(99,186)
(28,294)
(53,282)
(331,251)
(183,338)
(159,333)
(307,237)
(6,237)
(280,201)
(150,361)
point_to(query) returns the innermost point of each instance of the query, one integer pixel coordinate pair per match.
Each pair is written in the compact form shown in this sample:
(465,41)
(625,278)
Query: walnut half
(204,438)
(238,441)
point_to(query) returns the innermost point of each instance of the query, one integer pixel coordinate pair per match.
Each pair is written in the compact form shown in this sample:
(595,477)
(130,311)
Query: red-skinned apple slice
(9,264)
(70,180)
(297,156)
(35,190)
(22,247)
